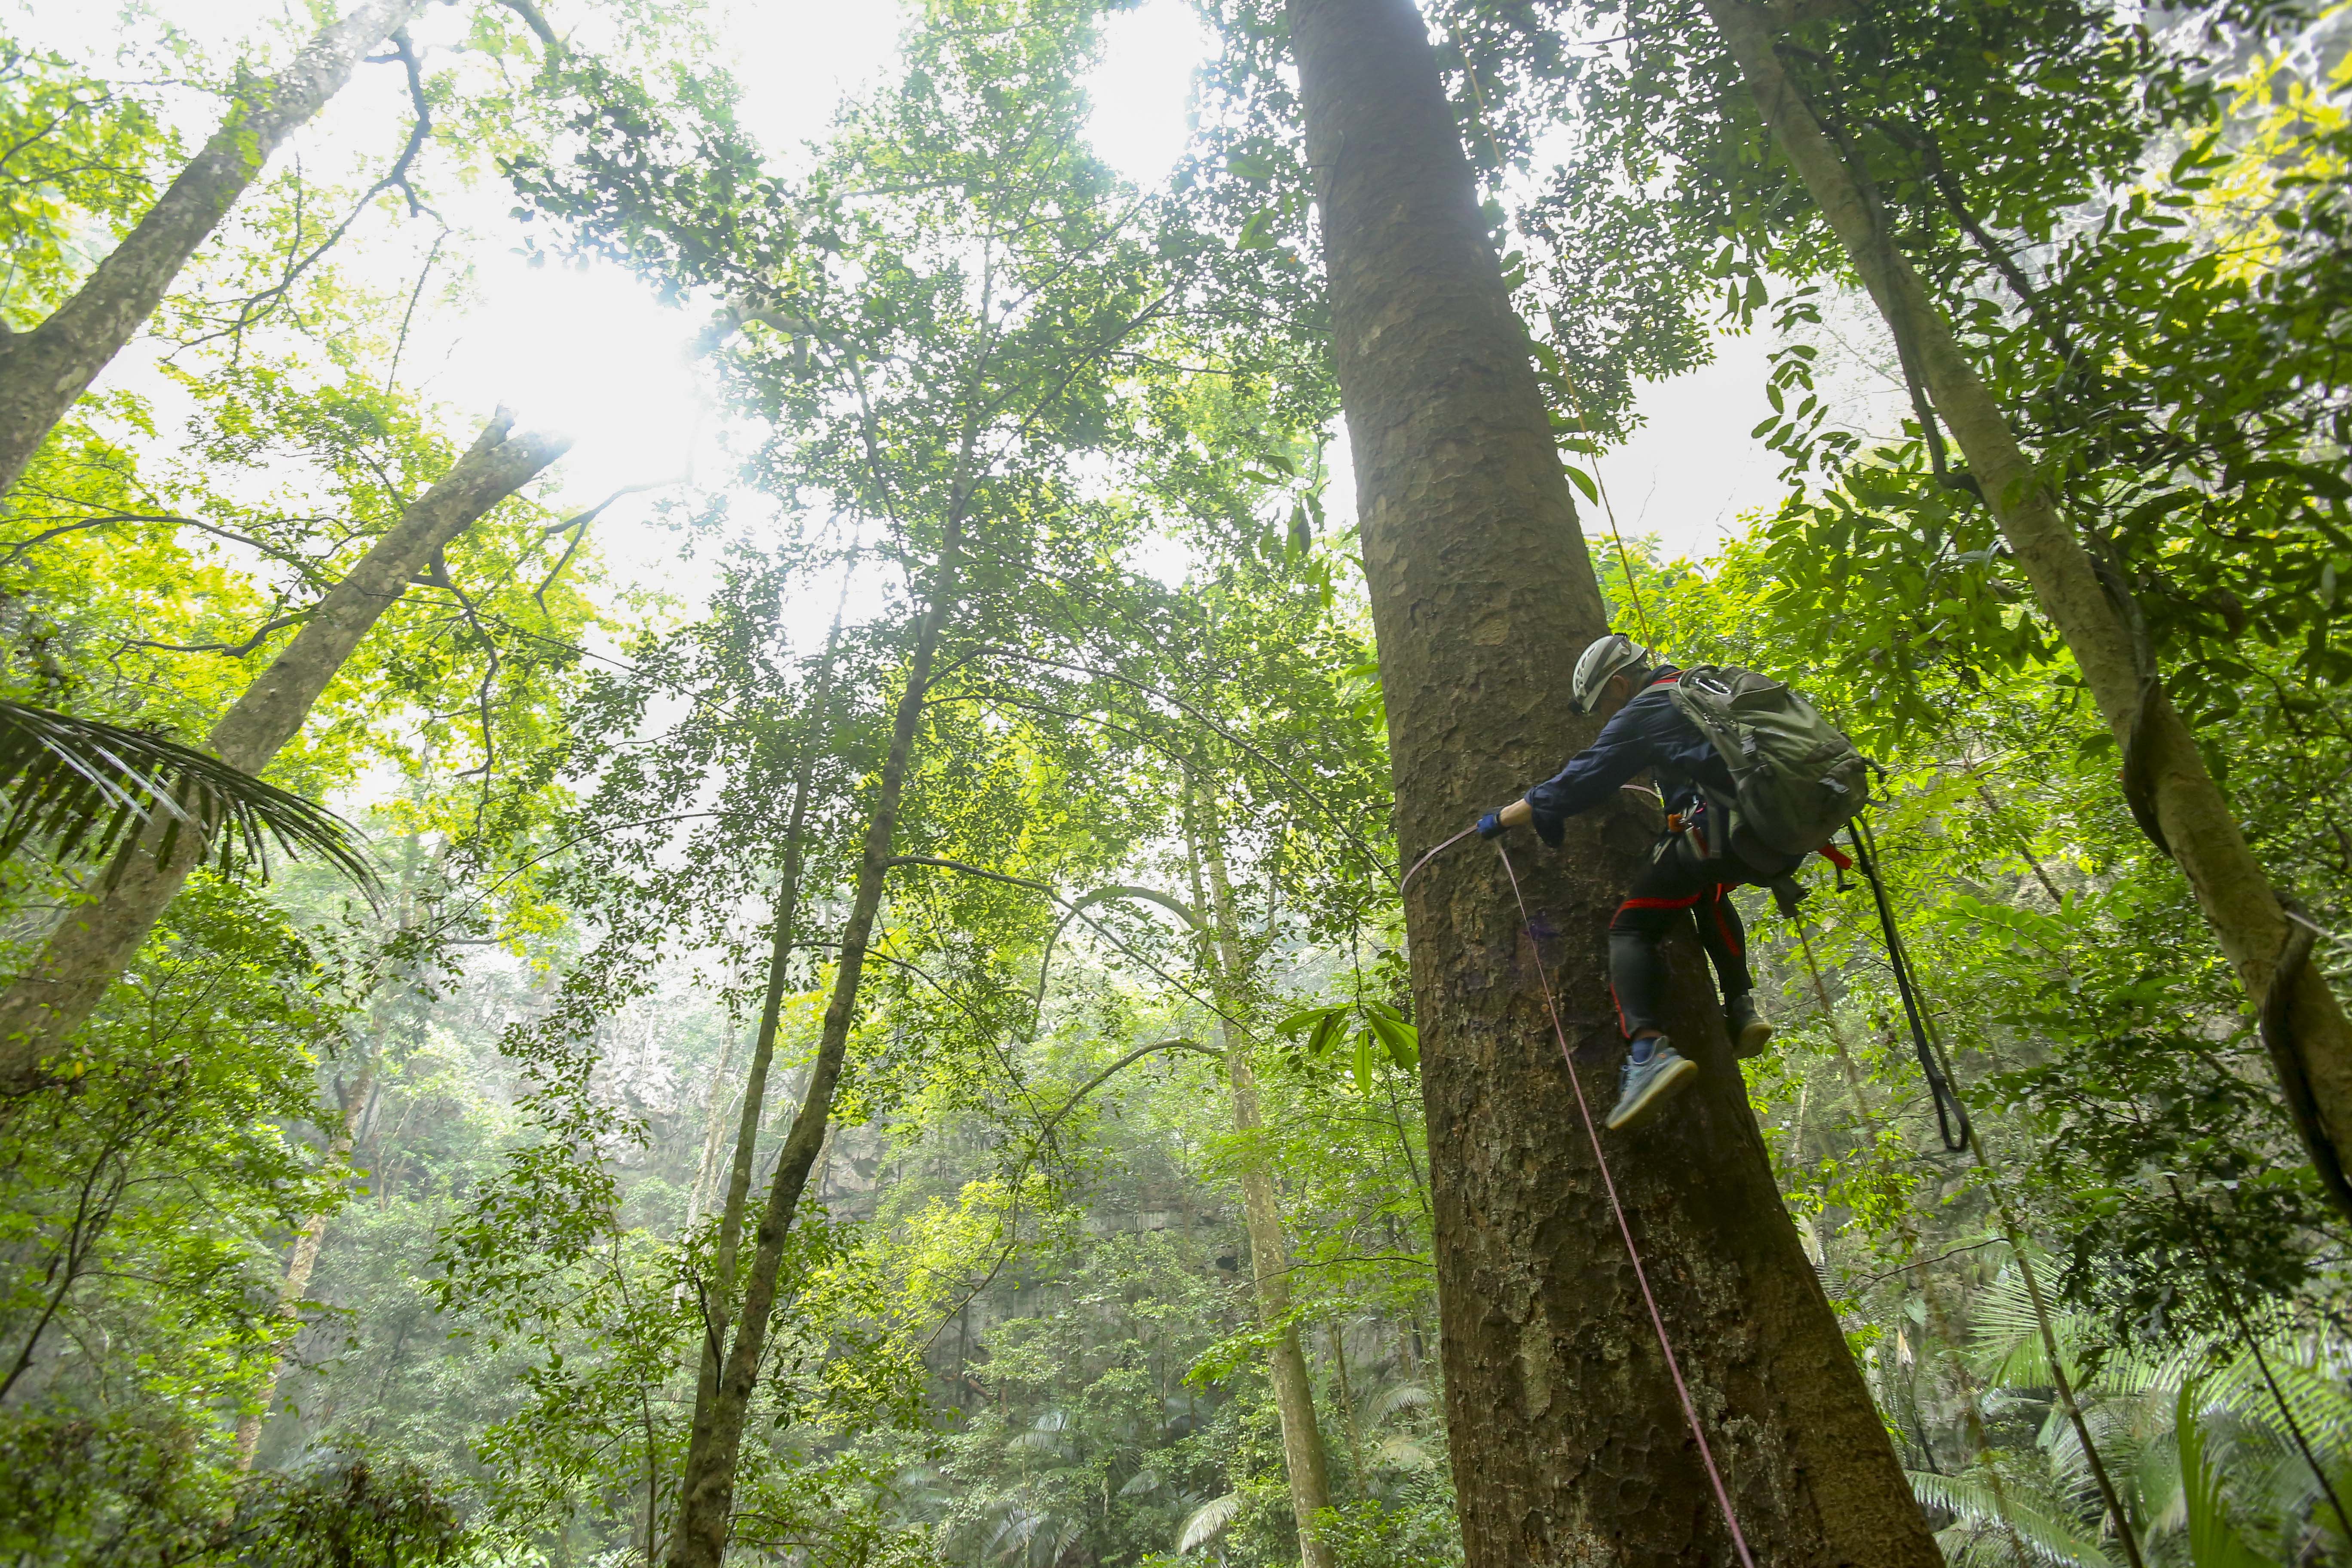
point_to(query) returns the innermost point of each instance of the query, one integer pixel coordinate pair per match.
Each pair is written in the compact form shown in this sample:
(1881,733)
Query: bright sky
(623,390)
(590,352)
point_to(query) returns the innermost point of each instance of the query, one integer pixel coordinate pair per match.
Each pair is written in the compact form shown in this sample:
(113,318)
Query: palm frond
(2213,1539)
(1014,1532)
(1396,1396)
(87,791)
(2050,1534)
(1208,1522)
(1400,1453)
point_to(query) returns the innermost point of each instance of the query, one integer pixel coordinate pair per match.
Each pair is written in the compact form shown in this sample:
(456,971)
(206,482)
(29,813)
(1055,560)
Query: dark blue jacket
(1648,734)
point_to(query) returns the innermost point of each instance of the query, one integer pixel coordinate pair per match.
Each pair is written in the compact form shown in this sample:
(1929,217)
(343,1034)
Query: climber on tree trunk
(1697,862)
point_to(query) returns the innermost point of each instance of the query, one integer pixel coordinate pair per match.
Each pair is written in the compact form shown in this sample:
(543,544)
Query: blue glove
(1490,826)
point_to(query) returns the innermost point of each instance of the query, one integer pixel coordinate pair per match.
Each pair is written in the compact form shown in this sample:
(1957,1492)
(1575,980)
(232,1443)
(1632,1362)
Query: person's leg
(1655,1070)
(1724,937)
(1637,970)
(1721,932)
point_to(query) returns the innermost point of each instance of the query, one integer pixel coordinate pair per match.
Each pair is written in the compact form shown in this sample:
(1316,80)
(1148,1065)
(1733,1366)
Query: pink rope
(1657,1320)
(1433,855)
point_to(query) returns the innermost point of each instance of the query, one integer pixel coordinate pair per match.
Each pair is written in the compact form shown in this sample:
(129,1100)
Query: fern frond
(1396,1396)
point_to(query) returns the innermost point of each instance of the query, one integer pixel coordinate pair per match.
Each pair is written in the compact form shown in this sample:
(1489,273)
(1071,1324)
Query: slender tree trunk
(706,1492)
(302,1260)
(718,1304)
(714,1134)
(44,1005)
(1569,1443)
(1348,1419)
(44,371)
(2199,827)
(1294,1395)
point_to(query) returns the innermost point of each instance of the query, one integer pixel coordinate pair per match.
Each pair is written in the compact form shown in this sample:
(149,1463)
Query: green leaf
(1583,481)
(1320,1041)
(2213,1541)
(68,778)
(1401,1038)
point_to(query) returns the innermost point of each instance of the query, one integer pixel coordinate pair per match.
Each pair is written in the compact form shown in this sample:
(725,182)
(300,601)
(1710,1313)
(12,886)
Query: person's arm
(1591,776)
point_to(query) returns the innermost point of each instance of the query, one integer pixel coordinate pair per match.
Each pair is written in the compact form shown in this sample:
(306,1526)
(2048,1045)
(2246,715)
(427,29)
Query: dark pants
(1674,882)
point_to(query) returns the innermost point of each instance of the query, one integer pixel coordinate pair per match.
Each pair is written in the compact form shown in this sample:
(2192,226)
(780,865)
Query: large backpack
(1799,779)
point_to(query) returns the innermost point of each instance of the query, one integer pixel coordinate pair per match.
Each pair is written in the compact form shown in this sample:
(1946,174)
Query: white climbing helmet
(1613,654)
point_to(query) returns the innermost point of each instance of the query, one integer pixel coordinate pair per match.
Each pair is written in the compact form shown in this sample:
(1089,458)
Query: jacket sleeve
(1591,776)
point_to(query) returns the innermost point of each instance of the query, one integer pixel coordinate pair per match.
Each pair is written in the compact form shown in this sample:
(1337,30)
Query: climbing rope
(1936,1069)
(1624,1228)
(1433,855)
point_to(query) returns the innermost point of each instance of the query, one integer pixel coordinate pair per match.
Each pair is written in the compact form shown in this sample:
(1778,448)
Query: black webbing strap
(1949,1112)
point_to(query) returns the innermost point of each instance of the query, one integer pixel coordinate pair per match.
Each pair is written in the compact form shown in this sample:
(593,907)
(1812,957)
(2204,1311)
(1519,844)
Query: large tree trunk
(42,372)
(2200,830)
(1294,1395)
(58,992)
(707,1491)
(1569,1443)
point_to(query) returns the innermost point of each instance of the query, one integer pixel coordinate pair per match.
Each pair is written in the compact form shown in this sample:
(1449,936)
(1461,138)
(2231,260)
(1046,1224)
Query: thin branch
(537,23)
(254,307)
(416,297)
(1120,1065)
(1924,1262)
(1095,925)
(227,650)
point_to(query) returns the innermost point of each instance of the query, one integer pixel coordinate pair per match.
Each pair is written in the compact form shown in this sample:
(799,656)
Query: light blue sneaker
(1650,1084)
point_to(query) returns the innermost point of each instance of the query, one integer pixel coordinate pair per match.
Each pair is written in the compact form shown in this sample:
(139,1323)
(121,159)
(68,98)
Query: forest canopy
(746,758)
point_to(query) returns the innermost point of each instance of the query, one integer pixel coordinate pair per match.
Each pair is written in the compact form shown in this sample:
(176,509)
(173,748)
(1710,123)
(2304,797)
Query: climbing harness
(1951,1116)
(1624,1228)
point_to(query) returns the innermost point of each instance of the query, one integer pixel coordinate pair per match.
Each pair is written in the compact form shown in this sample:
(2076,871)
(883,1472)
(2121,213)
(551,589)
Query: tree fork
(2165,781)
(1568,1442)
(58,992)
(45,371)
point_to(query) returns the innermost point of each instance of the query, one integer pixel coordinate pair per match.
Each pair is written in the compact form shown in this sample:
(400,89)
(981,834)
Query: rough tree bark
(2199,828)
(706,1490)
(1569,1443)
(1294,1394)
(58,990)
(42,372)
